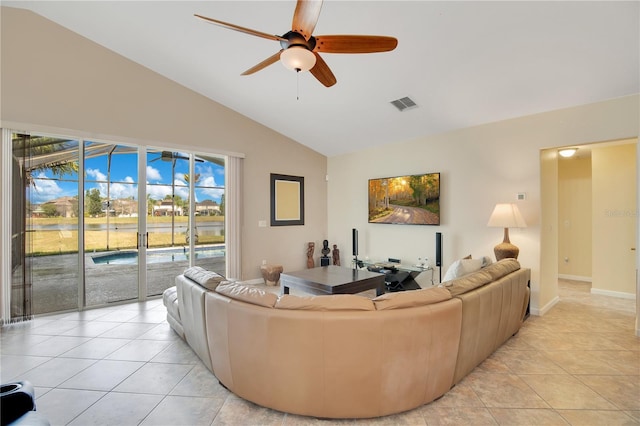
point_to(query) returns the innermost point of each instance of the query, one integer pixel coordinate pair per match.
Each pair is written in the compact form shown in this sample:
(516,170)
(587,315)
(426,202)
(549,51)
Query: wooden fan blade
(322,72)
(306,16)
(270,60)
(354,44)
(239,28)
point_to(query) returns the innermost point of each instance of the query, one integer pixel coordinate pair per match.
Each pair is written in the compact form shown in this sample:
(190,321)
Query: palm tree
(41,153)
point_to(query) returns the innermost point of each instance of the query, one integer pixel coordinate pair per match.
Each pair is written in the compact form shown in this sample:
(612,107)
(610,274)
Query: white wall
(479,167)
(638,242)
(614,220)
(574,217)
(547,291)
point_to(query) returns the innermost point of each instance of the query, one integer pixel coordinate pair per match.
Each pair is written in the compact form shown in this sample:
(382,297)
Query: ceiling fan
(300,49)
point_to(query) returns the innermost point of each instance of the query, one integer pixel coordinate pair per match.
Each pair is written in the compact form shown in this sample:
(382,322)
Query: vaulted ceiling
(462,63)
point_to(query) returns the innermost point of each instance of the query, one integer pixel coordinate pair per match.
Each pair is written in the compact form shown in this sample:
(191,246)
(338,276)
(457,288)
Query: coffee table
(332,280)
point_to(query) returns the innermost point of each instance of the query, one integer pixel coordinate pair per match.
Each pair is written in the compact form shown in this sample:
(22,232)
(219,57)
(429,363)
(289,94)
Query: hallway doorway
(592,216)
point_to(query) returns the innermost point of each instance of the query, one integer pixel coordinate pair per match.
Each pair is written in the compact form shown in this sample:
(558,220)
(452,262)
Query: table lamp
(506,216)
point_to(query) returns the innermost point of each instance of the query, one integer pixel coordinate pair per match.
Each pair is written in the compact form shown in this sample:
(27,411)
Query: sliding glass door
(185,216)
(167,218)
(111,235)
(209,214)
(45,223)
(87,233)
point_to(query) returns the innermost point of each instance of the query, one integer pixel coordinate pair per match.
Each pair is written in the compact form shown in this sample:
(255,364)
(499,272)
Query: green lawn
(66,241)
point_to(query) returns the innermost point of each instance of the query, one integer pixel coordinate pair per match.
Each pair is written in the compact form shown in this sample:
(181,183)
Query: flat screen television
(406,200)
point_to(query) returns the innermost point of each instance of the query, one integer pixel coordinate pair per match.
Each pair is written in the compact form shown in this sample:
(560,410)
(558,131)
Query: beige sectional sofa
(348,356)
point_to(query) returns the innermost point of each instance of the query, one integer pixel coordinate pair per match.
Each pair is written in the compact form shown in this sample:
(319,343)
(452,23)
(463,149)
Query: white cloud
(96,174)
(158,192)
(207,181)
(153,174)
(44,189)
(123,190)
(206,185)
(213,193)
(181,188)
(117,190)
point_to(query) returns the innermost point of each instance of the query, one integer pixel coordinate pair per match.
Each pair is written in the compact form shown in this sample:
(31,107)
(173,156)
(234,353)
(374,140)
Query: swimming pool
(156,256)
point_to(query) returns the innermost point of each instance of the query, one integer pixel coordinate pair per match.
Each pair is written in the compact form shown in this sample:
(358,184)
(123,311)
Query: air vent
(404,103)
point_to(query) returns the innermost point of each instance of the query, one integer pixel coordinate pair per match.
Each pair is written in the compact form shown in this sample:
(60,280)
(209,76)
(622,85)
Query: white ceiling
(463,63)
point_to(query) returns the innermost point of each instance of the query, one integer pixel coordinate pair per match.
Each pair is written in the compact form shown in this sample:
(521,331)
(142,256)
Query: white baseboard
(574,278)
(619,294)
(546,308)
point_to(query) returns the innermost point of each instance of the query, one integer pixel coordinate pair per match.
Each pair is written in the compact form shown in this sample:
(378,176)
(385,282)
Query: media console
(399,277)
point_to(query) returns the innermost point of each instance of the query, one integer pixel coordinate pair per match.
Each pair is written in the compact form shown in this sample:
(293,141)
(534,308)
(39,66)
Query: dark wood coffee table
(332,280)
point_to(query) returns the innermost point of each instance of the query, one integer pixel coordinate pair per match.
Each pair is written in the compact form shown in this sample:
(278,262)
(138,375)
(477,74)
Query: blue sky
(123,178)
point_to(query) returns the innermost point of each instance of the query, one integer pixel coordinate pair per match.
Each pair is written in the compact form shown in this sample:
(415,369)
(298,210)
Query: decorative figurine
(310,248)
(336,255)
(324,260)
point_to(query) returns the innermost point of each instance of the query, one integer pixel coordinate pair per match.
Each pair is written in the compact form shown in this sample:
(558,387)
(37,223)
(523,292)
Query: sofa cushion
(468,282)
(501,268)
(207,279)
(247,293)
(336,302)
(410,299)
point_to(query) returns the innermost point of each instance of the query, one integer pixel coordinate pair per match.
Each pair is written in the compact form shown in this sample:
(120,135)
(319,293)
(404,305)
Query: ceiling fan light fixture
(298,58)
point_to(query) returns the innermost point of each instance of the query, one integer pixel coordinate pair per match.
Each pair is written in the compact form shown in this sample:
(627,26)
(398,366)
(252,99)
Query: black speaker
(438,248)
(439,254)
(354,241)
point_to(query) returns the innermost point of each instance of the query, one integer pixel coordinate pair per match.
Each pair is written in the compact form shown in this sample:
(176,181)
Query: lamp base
(506,250)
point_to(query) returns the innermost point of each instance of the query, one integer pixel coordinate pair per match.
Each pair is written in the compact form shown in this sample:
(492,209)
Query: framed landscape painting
(406,200)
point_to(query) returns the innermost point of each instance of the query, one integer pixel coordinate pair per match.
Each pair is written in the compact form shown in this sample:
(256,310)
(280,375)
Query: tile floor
(578,365)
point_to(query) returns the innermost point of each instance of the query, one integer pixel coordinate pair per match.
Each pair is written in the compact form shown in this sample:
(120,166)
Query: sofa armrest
(191,306)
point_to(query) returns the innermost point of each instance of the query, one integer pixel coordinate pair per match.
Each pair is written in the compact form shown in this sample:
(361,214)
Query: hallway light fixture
(567,152)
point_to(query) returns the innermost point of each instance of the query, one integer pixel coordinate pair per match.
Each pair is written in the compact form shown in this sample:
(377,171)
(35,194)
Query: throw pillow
(462,267)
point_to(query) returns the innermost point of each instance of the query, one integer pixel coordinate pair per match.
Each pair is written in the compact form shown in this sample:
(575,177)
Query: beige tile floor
(578,365)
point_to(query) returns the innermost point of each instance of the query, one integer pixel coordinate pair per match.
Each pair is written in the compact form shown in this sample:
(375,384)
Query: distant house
(125,207)
(167,208)
(208,208)
(36,211)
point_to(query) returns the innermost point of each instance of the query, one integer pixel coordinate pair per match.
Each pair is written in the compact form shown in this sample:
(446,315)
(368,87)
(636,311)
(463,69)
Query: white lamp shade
(506,216)
(298,58)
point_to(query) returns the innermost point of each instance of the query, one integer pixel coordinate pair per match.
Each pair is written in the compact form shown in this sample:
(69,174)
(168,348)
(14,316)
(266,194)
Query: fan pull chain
(297,84)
